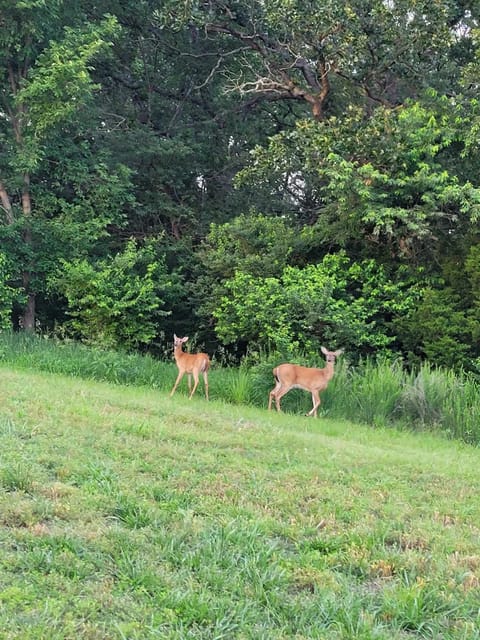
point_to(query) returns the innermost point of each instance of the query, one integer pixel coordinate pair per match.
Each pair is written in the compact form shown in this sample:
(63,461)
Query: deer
(293,376)
(191,364)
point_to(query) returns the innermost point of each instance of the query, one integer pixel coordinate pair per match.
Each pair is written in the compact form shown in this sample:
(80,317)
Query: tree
(169,120)
(45,56)
(381,186)
(332,54)
(252,244)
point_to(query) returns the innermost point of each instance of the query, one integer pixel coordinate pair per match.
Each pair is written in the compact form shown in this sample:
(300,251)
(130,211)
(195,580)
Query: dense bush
(118,302)
(337,301)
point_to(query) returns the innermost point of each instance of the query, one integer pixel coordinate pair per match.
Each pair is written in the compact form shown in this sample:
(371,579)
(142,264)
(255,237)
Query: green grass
(376,393)
(125,513)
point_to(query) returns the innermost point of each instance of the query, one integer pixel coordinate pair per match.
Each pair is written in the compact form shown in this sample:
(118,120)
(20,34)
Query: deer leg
(279,395)
(205,380)
(316,403)
(272,395)
(195,378)
(177,381)
(189,383)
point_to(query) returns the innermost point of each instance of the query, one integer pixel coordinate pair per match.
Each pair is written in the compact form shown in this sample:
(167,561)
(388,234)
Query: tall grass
(368,393)
(440,399)
(74,359)
(386,394)
(378,393)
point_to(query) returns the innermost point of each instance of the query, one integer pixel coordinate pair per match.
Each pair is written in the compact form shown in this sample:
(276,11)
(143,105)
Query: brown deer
(293,376)
(191,364)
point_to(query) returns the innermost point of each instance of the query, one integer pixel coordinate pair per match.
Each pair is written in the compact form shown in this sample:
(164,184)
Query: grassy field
(128,514)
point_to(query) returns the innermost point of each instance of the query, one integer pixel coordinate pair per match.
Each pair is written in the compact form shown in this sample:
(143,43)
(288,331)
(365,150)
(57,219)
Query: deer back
(308,378)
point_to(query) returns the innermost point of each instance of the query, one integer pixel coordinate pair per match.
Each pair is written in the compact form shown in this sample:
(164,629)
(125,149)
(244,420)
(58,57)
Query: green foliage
(370,392)
(304,51)
(47,52)
(397,193)
(437,328)
(116,302)
(56,86)
(84,198)
(239,386)
(336,302)
(7,294)
(349,127)
(70,222)
(251,243)
(60,82)
(472,266)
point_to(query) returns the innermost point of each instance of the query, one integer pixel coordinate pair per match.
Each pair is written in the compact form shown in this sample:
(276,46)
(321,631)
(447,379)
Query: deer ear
(324,351)
(185,339)
(175,336)
(338,352)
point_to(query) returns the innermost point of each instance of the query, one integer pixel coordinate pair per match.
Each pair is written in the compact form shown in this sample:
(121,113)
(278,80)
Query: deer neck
(329,370)
(178,352)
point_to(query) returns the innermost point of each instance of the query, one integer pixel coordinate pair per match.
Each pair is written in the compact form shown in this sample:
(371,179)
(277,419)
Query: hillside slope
(127,514)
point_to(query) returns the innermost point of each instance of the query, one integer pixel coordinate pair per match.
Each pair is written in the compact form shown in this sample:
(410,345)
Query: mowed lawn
(125,513)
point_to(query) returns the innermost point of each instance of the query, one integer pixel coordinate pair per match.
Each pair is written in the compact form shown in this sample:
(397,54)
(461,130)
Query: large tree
(46,53)
(171,120)
(331,54)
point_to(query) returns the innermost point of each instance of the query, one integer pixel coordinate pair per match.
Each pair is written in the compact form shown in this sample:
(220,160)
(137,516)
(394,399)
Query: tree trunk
(28,315)
(27,319)
(6,204)
(17,116)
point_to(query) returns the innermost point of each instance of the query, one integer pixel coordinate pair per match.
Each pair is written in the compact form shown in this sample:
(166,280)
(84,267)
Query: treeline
(257,175)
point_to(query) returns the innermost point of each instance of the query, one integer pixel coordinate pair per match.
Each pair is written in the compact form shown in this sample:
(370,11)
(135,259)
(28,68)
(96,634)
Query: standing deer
(292,376)
(191,364)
